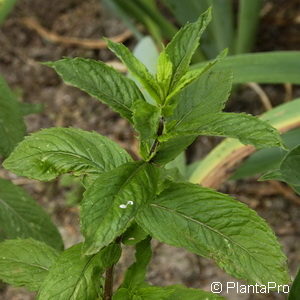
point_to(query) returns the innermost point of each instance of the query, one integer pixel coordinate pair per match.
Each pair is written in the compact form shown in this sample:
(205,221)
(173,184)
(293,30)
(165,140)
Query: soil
(21,51)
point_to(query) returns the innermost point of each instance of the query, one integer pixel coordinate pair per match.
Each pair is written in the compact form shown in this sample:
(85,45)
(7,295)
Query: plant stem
(109,277)
(108,286)
(159,133)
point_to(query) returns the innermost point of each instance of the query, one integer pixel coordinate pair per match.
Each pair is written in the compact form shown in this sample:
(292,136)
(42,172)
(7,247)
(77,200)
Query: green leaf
(184,44)
(288,170)
(295,289)
(75,276)
(25,262)
(268,158)
(133,235)
(110,204)
(136,273)
(282,118)
(22,217)
(169,150)
(256,67)
(164,73)
(147,130)
(146,52)
(51,152)
(208,94)
(12,126)
(122,294)
(218,227)
(219,34)
(192,75)
(181,292)
(290,166)
(151,293)
(99,81)
(296,188)
(173,292)
(180,164)
(272,175)
(248,129)
(137,69)
(143,293)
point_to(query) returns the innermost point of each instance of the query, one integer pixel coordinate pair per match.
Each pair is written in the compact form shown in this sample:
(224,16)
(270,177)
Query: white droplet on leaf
(125,205)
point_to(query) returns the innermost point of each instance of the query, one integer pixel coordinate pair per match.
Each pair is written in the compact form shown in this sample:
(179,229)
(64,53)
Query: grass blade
(268,67)
(248,19)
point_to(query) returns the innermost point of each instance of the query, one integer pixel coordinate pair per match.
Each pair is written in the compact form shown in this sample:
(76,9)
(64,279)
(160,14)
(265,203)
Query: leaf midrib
(209,228)
(95,164)
(28,264)
(96,92)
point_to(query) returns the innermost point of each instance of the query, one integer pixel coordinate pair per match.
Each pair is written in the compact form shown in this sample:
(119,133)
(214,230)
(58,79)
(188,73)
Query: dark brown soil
(21,50)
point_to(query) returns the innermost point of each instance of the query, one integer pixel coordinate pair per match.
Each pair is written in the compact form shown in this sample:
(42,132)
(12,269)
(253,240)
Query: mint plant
(130,202)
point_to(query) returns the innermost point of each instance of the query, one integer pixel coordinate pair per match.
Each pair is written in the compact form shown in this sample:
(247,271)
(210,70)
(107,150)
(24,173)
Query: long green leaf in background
(51,152)
(284,66)
(74,276)
(25,263)
(248,19)
(12,126)
(216,226)
(6,6)
(127,19)
(186,12)
(22,217)
(146,13)
(220,33)
(221,27)
(168,30)
(189,12)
